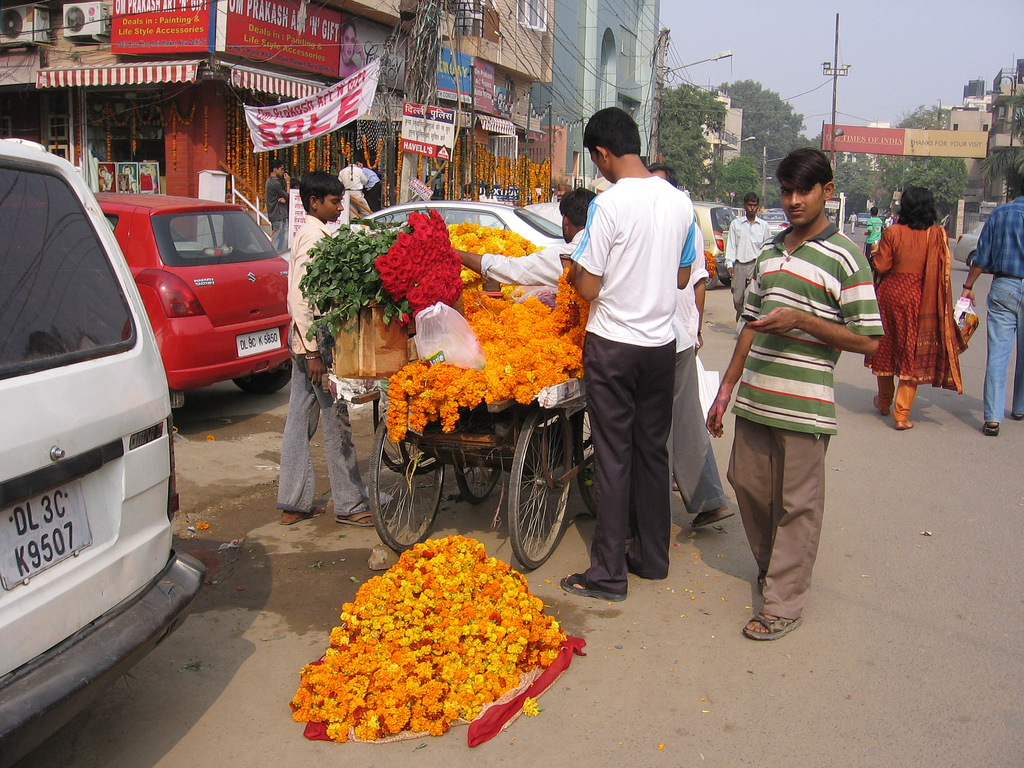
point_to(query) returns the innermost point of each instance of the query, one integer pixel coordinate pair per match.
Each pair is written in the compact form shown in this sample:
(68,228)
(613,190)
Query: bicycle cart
(542,447)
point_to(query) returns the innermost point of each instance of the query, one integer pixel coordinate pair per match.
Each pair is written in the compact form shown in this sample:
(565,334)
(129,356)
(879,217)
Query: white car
(89,581)
(536,228)
(776,219)
(967,245)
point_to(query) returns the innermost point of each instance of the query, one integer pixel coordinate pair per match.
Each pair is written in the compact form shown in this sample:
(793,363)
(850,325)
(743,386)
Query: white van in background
(89,582)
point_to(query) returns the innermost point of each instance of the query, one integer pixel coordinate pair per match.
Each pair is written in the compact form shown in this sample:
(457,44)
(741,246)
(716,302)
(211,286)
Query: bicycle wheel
(583,454)
(538,494)
(476,481)
(405,491)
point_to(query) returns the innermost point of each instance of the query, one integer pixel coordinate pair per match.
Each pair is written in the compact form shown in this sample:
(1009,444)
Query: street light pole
(835,71)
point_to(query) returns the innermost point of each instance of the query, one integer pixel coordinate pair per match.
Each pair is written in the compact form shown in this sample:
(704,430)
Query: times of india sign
(908,142)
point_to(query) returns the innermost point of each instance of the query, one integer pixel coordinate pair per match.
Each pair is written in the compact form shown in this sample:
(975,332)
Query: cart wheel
(583,450)
(413,481)
(476,481)
(537,497)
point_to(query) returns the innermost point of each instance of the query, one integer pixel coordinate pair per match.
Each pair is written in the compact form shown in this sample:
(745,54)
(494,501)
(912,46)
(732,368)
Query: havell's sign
(908,142)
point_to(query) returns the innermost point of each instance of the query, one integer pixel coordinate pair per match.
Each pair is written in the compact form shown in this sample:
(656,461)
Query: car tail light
(719,241)
(172,483)
(176,298)
(959,239)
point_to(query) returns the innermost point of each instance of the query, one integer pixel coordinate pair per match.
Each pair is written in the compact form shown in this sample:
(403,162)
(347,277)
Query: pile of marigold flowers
(528,346)
(441,634)
(481,240)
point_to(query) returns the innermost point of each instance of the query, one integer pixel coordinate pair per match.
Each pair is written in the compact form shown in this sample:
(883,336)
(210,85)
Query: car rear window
(209,237)
(537,221)
(721,218)
(60,301)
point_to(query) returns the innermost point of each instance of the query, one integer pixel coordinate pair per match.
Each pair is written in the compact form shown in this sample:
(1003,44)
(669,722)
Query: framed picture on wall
(128,178)
(149,177)
(107,177)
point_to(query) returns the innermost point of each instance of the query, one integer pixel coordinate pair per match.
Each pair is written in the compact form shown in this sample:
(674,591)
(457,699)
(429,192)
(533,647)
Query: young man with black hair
(321,195)
(811,297)
(635,252)
(544,267)
(276,193)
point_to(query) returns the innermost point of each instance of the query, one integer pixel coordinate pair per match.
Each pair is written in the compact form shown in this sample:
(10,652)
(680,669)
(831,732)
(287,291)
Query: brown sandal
(291,518)
(363,519)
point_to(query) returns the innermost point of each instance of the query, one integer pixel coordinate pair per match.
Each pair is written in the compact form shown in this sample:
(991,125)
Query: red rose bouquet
(421,266)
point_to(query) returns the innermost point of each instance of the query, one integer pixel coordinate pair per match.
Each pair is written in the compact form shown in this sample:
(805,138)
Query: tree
(770,120)
(859,179)
(737,177)
(1006,164)
(945,177)
(686,113)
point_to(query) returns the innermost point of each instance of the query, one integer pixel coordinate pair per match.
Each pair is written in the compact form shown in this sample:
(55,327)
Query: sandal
(991,429)
(776,627)
(361,519)
(577,585)
(291,518)
(712,516)
(902,425)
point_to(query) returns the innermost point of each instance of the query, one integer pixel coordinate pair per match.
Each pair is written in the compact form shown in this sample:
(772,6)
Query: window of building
(469,17)
(534,14)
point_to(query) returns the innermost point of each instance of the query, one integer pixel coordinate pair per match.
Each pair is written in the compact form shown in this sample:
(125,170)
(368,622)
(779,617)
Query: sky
(901,54)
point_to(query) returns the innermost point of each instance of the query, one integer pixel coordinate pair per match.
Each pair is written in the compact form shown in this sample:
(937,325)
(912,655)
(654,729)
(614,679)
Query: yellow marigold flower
(530,708)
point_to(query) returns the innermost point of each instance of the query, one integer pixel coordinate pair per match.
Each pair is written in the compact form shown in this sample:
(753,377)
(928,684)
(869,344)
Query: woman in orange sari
(922,342)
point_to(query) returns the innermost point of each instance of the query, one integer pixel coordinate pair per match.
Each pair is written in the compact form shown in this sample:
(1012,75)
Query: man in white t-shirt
(636,252)
(545,266)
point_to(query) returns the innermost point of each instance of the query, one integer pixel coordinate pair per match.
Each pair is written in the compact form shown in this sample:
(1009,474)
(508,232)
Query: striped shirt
(788,380)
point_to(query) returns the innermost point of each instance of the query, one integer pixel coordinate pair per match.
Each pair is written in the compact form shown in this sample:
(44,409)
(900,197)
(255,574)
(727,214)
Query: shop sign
(160,27)
(428,131)
(299,35)
(483,86)
(421,190)
(503,101)
(904,141)
(364,41)
(453,76)
(295,122)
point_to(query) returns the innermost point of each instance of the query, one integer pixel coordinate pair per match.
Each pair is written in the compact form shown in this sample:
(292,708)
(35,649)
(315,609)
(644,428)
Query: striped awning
(497,125)
(271,82)
(118,74)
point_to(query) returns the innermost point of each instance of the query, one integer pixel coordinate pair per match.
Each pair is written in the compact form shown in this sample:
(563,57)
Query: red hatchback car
(214,289)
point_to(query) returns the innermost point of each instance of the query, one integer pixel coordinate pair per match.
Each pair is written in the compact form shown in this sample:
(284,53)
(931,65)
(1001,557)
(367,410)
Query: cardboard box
(370,348)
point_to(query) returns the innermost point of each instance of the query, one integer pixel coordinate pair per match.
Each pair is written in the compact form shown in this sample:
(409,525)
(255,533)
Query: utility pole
(654,145)
(833,70)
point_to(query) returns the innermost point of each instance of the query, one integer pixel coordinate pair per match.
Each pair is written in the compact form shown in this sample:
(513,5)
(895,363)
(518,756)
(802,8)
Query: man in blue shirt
(1001,253)
(372,189)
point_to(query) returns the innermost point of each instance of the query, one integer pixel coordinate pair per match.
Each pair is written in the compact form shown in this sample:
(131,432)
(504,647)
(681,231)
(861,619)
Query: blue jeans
(279,239)
(1005,328)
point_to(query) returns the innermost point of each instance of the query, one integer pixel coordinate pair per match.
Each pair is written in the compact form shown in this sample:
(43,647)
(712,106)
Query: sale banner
(295,122)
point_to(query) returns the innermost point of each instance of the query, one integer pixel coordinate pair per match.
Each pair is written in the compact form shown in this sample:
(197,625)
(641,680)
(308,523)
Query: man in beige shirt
(321,195)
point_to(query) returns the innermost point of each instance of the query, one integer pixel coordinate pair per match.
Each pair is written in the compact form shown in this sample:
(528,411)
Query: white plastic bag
(707,387)
(444,336)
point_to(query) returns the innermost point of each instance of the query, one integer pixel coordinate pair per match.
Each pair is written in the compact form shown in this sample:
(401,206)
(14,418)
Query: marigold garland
(709,261)
(441,634)
(528,346)
(481,240)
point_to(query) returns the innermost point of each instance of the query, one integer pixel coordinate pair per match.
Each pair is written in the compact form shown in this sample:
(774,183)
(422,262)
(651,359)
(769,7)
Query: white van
(89,582)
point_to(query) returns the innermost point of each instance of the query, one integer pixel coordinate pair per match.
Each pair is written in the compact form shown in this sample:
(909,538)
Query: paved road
(909,653)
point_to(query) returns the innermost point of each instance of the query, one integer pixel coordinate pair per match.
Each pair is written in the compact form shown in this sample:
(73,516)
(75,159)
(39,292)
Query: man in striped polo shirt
(811,297)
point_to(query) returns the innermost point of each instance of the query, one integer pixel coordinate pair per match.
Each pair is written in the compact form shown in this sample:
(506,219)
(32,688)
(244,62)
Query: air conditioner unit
(87,22)
(24,24)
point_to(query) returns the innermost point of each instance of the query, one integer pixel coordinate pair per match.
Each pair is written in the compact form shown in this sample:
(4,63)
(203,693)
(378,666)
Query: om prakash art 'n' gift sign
(277,32)
(160,26)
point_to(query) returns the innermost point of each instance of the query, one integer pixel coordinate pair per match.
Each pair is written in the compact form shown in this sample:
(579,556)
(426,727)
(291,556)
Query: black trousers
(629,400)
(372,195)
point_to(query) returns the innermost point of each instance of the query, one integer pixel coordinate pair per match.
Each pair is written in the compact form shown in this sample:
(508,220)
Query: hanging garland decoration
(206,128)
(177,117)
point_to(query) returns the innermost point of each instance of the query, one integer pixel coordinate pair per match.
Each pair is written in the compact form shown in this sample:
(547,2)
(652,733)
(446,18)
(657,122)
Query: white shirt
(541,268)
(745,240)
(353,178)
(687,318)
(639,233)
(309,234)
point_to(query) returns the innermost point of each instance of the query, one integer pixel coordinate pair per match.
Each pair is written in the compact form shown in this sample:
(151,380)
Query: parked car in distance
(777,221)
(714,220)
(967,245)
(214,289)
(536,228)
(862,219)
(89,581)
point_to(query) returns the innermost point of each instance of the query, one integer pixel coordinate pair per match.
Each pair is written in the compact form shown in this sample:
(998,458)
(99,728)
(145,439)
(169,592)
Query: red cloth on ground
(490,723)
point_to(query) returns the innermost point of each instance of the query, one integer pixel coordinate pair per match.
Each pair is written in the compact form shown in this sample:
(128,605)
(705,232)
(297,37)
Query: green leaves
(341,277)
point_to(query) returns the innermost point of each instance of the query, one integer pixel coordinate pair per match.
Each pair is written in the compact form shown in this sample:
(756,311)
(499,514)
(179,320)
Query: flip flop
(577,585)
(363,519)
(776,627)
(291,518)
(712,516)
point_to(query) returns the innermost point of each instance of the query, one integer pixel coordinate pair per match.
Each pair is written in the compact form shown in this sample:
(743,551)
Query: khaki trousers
(779,479)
